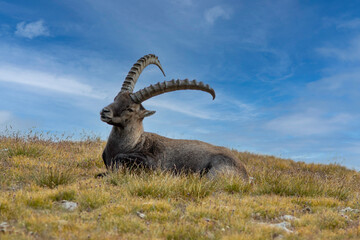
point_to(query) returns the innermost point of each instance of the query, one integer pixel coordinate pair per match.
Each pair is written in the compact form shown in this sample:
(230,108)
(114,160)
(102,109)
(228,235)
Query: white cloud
(351,24)
(32,29)
(350,53)
(214,13)
(226,109)
(183,108)
(343,78)
(48,81)
(309,123)
(347,84)
(277,65)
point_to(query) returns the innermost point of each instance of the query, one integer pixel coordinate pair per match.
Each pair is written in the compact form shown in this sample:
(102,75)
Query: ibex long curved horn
(169,86)
(137,68)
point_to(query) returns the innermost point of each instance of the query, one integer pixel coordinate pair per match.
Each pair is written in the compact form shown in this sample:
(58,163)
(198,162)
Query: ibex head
(123,111)
(127,107)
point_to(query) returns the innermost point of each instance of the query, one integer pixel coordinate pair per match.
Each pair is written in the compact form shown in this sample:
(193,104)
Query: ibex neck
(126,139)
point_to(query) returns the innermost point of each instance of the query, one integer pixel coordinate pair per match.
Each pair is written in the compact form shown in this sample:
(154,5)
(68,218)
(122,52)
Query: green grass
(52,177)
(38,172)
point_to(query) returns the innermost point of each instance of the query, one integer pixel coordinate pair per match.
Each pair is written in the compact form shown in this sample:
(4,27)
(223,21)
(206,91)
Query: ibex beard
(129,145)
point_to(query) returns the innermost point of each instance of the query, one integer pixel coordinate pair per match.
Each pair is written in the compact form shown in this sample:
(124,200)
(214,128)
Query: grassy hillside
(36,176)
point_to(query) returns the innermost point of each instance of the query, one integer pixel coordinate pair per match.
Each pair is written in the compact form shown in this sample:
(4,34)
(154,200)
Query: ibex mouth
(105,119)
(104,115)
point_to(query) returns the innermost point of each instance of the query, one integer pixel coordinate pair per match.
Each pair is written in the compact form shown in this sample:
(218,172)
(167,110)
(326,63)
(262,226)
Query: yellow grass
(36,175)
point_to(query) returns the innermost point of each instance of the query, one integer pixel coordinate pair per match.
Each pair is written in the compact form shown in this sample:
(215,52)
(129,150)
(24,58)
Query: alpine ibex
(129,144)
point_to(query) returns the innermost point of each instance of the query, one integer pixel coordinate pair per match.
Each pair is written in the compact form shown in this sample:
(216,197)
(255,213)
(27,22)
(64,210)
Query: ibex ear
(147,113)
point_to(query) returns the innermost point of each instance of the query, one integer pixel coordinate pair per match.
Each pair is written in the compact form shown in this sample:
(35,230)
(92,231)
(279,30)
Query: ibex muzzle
(128,144)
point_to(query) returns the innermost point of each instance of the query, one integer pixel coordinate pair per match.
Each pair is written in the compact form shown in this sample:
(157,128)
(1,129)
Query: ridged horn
(136,70)
(169,86)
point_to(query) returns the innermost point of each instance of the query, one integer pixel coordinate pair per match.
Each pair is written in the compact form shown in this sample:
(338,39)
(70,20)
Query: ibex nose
(105,114)
(105,110)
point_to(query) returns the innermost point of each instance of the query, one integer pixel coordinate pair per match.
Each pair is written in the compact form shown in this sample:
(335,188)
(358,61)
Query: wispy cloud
(214,13)
(350,24)
(309,123)
(48,81)
(226,109)
(277,67)
(183,108)
(349,53)
(340,84)
(32,29)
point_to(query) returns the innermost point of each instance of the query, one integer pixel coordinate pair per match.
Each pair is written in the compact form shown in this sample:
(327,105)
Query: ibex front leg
(129,160)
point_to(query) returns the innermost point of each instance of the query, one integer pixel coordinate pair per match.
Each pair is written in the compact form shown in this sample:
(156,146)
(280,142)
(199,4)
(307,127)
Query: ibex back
(129,145)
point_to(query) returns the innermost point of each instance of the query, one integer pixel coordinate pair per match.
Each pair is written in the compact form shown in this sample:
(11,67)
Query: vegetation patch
(37,173)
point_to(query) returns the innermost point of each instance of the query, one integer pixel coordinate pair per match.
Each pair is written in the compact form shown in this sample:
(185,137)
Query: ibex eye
(130,110)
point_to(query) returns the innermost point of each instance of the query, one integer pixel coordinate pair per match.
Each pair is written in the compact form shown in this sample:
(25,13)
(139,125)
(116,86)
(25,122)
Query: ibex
(129,144)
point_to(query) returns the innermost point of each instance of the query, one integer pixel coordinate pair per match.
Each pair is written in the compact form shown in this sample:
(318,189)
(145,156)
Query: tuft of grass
(92,199)
(300,183)
(25,150)
(234,184)
(160,184)
(324,220)
(88,163)
(330,220)
(52,177)
(64,194)
(39,202)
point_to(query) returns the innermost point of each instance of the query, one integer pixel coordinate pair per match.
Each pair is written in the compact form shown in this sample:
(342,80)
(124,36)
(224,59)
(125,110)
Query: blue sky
(286,73)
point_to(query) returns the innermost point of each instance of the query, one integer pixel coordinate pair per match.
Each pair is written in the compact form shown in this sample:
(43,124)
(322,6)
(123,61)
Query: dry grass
(37,172)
